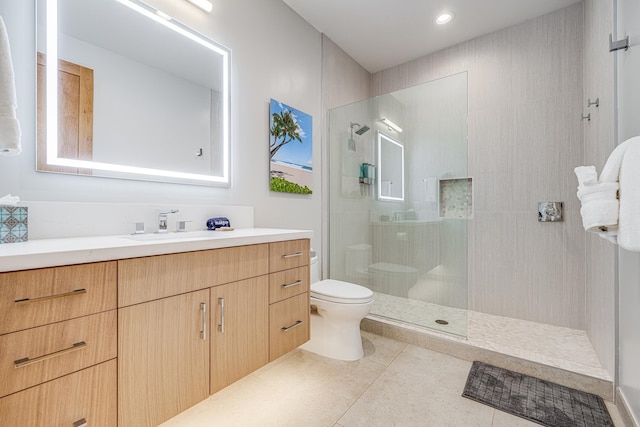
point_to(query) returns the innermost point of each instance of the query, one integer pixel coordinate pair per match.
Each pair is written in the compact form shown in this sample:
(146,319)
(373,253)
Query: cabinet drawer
(89,394)
(288,254)
(33,356)
(288,325)
(151,278)
(32,298)
(288,283)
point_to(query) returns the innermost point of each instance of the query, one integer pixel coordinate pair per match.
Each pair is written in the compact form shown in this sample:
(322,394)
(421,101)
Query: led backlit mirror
(126,91)
(390,169)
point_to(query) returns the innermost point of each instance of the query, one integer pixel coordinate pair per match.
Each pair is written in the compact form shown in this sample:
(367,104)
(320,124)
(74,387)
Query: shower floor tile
(564,348)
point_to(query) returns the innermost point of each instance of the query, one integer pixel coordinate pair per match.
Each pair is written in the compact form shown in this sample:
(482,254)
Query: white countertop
(81,250)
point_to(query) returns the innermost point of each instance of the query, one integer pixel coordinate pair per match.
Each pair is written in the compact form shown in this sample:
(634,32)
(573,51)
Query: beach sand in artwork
(293,174)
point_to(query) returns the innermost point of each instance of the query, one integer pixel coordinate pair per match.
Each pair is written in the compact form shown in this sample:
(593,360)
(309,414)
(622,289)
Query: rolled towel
(604,191)
(600,215)
(218,222)
(9,125)
(587,175)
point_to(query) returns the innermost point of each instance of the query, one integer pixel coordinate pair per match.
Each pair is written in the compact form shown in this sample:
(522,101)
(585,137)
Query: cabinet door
(86,397)
(288,325)
(240,330)
(163,358)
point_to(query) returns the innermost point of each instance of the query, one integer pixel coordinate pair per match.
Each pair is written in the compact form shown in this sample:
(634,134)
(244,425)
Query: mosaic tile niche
(456,198)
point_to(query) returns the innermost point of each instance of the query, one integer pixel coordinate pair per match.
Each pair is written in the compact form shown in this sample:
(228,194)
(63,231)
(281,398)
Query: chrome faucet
(162,220)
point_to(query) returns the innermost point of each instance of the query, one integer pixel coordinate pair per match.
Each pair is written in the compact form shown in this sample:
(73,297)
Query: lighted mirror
(126,91)
(390,169)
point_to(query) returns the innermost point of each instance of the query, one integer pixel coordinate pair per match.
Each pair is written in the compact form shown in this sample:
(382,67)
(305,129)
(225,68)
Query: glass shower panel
(400,201)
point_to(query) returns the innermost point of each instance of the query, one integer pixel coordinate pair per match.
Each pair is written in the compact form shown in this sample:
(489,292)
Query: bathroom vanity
(117,331)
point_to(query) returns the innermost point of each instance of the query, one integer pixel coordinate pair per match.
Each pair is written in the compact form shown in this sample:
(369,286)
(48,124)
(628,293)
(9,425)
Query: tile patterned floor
(395,384)
(565,348)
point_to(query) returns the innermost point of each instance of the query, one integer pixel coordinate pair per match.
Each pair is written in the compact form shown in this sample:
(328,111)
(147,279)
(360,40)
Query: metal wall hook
(596,102)
(587,117)
(618,45)
(199,152)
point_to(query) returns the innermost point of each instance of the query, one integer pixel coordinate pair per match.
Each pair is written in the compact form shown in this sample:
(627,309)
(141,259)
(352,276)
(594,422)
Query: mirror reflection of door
(390,169)
(75,115)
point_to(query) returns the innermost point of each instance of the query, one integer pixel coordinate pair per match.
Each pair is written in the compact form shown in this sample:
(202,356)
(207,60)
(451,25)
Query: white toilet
(336,311)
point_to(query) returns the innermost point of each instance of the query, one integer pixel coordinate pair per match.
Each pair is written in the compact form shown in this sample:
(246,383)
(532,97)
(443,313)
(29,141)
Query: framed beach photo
(290,149)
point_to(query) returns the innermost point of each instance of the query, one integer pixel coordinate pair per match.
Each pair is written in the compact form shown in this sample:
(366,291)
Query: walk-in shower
(402,231)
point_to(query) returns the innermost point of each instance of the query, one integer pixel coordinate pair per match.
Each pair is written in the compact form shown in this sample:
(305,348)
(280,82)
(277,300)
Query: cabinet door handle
(221,325)
(27,361)
(50,297)
(292,255)
(288,285)
(203,331)
(80,423)
(288,328)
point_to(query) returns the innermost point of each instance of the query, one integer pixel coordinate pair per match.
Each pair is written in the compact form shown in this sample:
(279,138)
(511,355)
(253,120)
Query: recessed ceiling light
(444,18)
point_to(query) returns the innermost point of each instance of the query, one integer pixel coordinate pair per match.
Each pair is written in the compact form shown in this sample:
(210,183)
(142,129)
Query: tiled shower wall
(525,138)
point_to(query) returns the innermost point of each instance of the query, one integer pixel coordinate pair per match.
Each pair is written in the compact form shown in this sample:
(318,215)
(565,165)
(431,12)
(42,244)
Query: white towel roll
(9,125)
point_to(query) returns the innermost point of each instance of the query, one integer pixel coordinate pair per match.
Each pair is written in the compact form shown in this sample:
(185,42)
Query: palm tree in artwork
(285,129)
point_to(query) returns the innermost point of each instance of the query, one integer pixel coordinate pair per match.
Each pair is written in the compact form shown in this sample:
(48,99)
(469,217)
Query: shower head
(362,129)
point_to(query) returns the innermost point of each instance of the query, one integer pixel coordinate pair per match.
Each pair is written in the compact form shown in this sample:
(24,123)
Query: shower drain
(442,322)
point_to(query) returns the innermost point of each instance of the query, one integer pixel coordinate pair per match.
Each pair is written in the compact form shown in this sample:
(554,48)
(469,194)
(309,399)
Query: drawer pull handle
(288,328)
(50,297)
(80,423)
(203,331)
(26,361)
(221,325)
(292,255)
(288,285)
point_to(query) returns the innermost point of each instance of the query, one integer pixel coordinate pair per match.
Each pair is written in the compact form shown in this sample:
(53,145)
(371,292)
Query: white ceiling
(380,34)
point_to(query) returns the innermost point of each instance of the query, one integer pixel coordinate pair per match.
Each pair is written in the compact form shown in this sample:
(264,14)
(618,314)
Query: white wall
(628,23)
(275,54)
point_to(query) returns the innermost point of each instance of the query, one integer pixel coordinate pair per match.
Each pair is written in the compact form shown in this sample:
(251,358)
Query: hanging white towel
(9,125)
(629,222)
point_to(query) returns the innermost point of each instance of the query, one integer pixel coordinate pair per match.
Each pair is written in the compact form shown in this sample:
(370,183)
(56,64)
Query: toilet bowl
(337,308)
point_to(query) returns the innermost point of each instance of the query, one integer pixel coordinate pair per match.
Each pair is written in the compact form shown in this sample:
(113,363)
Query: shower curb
(463,350)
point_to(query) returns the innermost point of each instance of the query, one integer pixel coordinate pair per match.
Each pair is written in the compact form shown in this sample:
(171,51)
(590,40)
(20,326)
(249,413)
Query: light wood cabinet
(289,317)
(88,395)
(163,358)
(288,325)
(38,297)
(33,356)
(58,346)
(185,272)
(134,342)
(240,330)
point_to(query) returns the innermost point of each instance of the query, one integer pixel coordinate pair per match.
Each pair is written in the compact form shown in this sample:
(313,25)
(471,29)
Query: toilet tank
(315,266)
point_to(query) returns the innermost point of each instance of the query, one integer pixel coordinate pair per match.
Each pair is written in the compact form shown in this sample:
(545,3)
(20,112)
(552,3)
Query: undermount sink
(187,235)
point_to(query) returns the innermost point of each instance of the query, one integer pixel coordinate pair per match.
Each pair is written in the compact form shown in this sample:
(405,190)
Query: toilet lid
(339,291)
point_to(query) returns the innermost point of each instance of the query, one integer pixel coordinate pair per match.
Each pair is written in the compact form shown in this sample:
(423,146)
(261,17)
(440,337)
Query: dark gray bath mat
(536,400)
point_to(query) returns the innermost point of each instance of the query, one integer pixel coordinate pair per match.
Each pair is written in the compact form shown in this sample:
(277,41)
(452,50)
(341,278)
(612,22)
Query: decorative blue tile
(14,224)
